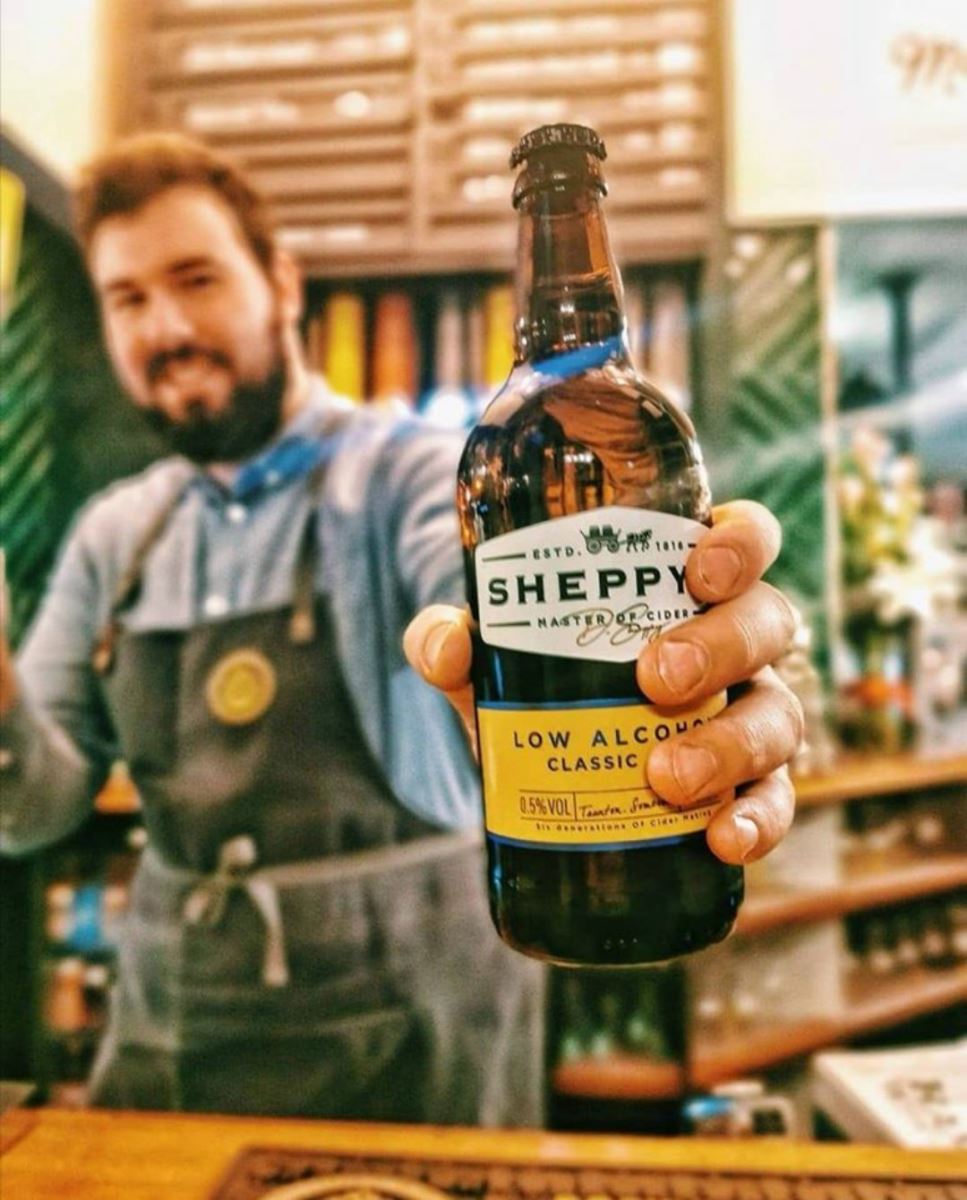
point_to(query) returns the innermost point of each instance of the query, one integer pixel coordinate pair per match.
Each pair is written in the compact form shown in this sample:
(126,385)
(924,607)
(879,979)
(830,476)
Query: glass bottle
(344,359)
(449,403)
(581,492)
(498,310)
(394,351)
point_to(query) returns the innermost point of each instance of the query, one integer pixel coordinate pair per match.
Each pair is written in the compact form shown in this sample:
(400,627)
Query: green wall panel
(764,436)
(65,429)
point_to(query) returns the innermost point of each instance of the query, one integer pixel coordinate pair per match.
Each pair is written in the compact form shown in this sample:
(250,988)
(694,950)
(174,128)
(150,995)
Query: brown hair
(142,167)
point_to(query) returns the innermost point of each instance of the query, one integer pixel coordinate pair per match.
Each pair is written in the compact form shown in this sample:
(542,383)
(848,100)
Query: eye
(197,281)
(126,301)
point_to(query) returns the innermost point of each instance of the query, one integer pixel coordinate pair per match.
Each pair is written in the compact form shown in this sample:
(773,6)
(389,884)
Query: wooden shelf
(870,1006)
(857,779)
(868,888)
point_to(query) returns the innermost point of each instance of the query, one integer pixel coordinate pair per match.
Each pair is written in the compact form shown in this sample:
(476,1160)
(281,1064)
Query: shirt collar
(295,450)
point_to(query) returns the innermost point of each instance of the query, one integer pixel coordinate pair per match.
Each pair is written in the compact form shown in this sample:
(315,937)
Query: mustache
(158,363)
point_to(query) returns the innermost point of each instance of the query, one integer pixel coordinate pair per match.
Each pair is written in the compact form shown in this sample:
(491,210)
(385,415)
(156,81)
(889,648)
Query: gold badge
(240,687)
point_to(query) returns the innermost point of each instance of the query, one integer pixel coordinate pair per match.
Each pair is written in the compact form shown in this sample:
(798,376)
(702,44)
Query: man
(308,929)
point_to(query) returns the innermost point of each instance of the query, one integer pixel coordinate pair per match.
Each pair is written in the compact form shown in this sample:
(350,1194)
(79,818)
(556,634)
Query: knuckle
(753,744)
(747,640)
(797,718)
(787,614)
(788,710)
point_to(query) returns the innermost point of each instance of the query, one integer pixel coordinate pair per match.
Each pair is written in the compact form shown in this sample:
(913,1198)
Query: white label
(595,585)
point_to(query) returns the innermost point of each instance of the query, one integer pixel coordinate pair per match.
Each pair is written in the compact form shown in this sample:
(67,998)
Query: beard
(249,421)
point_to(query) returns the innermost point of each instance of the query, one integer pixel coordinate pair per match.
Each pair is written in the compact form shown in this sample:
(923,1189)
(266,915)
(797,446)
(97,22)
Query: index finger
(742,544)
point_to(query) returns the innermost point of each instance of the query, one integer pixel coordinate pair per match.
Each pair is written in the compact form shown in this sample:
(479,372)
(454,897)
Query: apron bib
(298,942)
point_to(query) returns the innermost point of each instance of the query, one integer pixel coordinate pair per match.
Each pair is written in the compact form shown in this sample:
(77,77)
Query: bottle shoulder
(547,447)
(615,391)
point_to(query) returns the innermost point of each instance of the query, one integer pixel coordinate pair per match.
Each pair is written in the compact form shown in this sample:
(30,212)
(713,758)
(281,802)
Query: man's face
(192,323)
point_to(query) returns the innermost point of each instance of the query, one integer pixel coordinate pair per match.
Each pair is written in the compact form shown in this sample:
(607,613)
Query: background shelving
(381,130)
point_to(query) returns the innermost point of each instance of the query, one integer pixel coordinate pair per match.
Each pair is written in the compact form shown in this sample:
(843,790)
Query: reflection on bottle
(636,311)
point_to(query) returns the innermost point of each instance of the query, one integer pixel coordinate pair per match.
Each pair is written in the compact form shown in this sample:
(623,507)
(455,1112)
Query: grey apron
(297,943)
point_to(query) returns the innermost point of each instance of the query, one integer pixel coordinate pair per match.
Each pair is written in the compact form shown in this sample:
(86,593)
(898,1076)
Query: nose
(165,323)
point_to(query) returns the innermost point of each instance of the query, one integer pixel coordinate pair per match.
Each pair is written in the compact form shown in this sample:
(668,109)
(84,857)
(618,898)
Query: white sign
(853,108)
(594,585)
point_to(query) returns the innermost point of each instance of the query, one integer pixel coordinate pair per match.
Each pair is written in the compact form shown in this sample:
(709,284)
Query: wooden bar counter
(100,1155)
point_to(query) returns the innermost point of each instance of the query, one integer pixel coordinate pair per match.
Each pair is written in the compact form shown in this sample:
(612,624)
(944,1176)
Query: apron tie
(207,901)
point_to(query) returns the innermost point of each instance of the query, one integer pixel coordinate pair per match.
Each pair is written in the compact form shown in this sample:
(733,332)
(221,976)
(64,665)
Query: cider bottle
(581,492)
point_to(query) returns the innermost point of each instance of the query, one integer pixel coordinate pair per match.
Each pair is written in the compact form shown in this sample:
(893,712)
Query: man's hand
(749,627)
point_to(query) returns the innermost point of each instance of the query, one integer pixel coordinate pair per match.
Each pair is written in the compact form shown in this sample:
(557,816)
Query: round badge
(240,687)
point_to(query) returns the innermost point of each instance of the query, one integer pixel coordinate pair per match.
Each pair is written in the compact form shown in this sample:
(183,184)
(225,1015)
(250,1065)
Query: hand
(749,627)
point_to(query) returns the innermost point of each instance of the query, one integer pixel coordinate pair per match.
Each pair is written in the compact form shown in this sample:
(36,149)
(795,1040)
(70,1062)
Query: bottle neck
(569,291)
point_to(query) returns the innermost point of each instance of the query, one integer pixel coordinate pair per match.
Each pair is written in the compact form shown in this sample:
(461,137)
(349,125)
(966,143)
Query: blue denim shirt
(389,545)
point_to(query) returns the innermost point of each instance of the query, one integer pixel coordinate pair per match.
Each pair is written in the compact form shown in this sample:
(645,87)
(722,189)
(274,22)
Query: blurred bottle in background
(618,1049)
(498,335)
(394,364)
(344,345)
(449,404)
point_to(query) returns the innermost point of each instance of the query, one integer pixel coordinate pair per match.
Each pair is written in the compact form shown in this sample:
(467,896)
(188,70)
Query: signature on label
(636,623)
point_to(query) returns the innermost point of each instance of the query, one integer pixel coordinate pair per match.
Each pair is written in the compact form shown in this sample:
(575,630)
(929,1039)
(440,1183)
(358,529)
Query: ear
(287,281)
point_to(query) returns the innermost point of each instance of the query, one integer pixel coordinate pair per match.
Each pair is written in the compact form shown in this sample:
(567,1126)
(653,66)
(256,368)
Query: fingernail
(433,644)
(720,568)
(681,664)
(693,767)
(746,836)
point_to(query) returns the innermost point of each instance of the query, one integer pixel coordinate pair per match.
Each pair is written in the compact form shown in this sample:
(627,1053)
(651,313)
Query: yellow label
(576,776)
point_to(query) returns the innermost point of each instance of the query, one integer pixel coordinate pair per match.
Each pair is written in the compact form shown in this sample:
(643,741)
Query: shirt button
(215,606)
(272,478)
(236,513)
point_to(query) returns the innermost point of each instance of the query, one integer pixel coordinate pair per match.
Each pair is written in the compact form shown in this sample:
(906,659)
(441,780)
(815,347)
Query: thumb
(438,647)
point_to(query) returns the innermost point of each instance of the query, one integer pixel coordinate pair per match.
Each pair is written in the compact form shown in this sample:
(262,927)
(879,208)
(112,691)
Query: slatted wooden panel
(382,128)
(637,72)
(316,100)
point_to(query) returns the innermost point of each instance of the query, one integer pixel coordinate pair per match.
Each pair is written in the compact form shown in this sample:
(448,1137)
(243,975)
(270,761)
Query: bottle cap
(557,135)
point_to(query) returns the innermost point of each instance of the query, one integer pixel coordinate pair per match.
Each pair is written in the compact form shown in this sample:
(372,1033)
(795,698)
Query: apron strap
(302,623)
(129,585)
